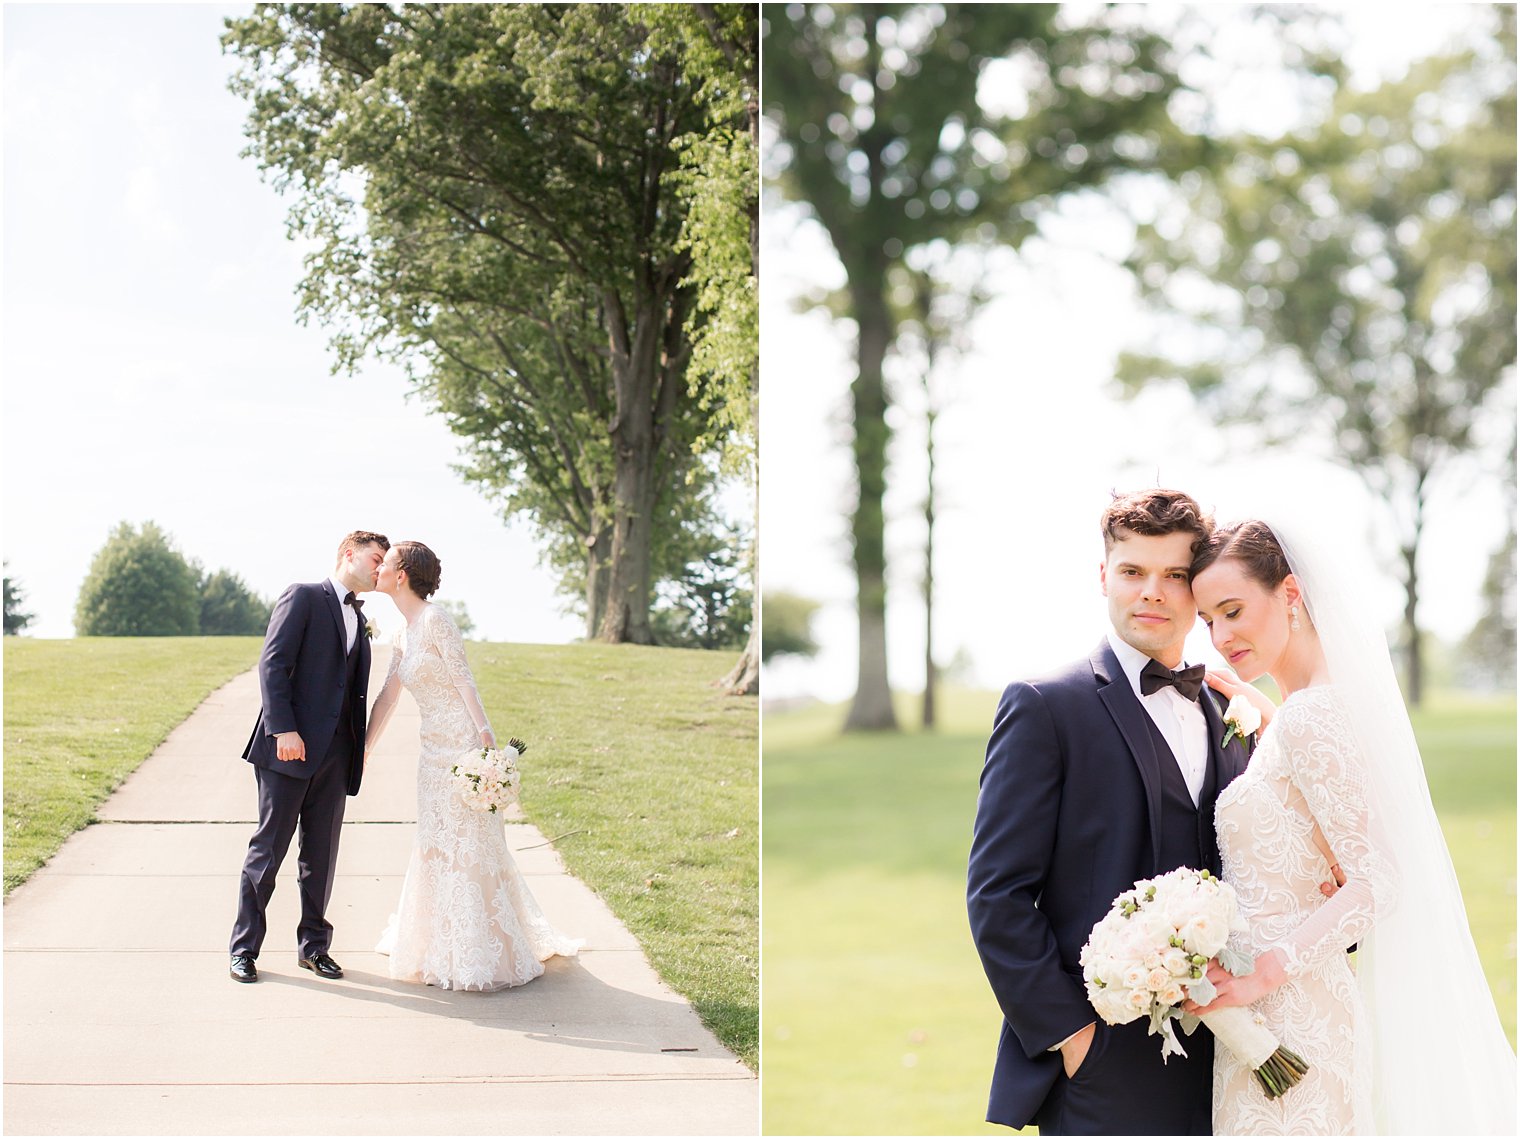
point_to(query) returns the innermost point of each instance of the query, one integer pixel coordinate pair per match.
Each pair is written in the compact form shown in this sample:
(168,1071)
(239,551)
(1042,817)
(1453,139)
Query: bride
(466,919)
(1407,1041)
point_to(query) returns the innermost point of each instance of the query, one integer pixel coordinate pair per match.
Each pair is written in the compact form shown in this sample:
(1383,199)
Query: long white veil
(1439,1059)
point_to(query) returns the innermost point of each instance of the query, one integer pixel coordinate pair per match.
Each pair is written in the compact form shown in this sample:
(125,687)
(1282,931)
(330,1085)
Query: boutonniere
(1243,718)
(370,631)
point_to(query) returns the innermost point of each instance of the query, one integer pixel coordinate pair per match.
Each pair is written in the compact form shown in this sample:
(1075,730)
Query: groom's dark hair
(361,538)
(1153,513)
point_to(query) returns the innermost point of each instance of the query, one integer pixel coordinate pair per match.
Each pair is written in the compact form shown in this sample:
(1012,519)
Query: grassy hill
(654,771)
(878,1019)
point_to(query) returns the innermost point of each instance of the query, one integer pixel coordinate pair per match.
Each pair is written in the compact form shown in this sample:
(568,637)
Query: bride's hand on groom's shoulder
(1228,685)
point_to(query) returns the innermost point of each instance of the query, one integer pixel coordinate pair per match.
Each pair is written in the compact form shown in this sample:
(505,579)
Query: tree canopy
(138,585)
(1352,282)
(495,195)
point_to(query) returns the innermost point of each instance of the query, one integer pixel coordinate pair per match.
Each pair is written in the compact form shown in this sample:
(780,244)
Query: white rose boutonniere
(1243,718)
(370,631)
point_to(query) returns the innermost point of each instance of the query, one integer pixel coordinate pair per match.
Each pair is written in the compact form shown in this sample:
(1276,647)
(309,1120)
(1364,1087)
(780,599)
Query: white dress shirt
(350,617)
(1179,719)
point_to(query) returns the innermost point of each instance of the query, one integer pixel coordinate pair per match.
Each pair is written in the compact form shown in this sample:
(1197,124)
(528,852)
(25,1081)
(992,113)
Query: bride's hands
(1236,992)
(1230,686)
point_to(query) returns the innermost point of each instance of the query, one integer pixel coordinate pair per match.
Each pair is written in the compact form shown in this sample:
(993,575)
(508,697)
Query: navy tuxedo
(1080,798)
(310,682)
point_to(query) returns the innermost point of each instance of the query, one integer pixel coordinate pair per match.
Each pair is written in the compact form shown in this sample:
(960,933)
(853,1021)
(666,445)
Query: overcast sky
(1030,446)
(152,364)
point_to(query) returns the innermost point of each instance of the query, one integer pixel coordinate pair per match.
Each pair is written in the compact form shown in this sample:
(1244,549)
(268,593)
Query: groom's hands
(1074,1049)
(289,746)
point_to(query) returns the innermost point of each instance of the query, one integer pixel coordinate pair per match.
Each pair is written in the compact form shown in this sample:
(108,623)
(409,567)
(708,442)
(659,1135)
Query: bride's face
(385,576)
(1247,622)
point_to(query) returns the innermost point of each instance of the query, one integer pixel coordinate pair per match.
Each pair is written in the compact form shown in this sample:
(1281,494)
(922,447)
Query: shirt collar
(1131,660)
(338,587)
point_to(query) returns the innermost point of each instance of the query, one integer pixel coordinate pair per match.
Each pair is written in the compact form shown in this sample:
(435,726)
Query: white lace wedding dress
(465,920)
(1304,792)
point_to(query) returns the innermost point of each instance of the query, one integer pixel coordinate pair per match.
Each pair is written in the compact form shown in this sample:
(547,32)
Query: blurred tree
(905,124)
(1354,282)
(494,196)
(459,613)
(787,619)
(228,607)
(138,585)
(15,618)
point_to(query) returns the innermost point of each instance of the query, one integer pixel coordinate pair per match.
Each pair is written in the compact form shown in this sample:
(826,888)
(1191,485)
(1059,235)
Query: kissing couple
(1122,767)
(465,919)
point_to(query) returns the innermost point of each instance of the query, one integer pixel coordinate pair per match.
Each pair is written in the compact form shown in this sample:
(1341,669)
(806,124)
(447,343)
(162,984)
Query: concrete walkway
(120,1017)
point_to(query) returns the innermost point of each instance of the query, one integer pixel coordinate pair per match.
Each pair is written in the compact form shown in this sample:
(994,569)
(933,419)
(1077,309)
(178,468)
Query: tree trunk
(872,706)
(636,373)
(744,678)
(931,675)
(598,555)
(1414,658)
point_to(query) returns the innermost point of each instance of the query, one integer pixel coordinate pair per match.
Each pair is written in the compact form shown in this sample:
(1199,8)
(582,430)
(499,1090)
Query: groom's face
(1145,579)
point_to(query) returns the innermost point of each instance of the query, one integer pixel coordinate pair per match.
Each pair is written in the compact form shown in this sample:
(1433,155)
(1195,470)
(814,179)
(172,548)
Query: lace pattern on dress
(1306,775)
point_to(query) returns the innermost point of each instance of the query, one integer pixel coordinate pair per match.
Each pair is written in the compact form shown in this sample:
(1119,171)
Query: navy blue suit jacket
(302,674)
(1067,819)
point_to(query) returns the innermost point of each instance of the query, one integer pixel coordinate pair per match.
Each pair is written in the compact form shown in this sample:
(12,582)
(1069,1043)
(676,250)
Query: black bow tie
(354,601)
(1156,676)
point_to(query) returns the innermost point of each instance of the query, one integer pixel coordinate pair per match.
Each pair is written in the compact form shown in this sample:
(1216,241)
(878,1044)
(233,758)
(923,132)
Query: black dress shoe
(323,966)
(242,969)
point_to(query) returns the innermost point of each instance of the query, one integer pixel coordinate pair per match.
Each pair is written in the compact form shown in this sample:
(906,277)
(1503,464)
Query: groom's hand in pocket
(1074,1049)
(289,746)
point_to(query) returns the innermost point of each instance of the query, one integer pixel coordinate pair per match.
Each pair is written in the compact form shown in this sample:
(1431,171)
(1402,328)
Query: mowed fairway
(876,1016)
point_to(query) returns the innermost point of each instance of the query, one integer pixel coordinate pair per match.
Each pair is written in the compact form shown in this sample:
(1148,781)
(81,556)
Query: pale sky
(152,363)
(1029,449)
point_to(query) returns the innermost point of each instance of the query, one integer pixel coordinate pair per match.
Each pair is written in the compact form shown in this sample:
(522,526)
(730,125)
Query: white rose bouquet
(488,778)
(1150,953)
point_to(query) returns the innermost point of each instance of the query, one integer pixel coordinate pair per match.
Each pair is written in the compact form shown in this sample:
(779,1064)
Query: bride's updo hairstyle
(1253,545)
(423,569)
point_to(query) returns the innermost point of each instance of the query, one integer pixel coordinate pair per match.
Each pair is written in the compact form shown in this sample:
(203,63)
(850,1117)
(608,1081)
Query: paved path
(120,1017)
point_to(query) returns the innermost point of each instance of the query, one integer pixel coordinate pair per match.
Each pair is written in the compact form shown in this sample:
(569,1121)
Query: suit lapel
(1124,706)
(335,607)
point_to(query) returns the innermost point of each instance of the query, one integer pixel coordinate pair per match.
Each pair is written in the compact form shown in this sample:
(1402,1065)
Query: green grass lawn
(629,747)
(878,1019)
(658,772)
(80,716)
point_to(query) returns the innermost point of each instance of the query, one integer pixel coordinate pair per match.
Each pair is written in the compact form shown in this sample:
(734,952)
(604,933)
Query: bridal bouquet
(1150,952)
(488,778)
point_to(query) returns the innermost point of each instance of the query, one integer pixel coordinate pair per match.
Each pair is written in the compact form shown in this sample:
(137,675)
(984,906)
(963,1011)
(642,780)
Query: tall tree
(1353,281)
(493,194)
(719,179)
(16,618)
(905,124)
(138,585)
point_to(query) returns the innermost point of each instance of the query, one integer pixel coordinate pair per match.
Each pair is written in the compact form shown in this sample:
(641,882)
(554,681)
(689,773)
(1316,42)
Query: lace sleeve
(446,642)
(385,702)
(1326,767)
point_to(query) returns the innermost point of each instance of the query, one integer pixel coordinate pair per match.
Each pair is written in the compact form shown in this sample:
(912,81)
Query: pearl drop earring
(1293,612)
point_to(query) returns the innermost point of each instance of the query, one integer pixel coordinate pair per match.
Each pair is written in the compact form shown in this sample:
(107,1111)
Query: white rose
(1175,961)
(1157,979)
(1134,977)
(1243,714)
(1171,995)
(1138,1000)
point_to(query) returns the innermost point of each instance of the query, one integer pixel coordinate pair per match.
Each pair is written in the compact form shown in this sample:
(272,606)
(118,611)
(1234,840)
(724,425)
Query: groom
(1096,776)
(307,749)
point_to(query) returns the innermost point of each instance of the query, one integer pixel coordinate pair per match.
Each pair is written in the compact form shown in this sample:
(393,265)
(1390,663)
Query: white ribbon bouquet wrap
(1150,953)
(488,778)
